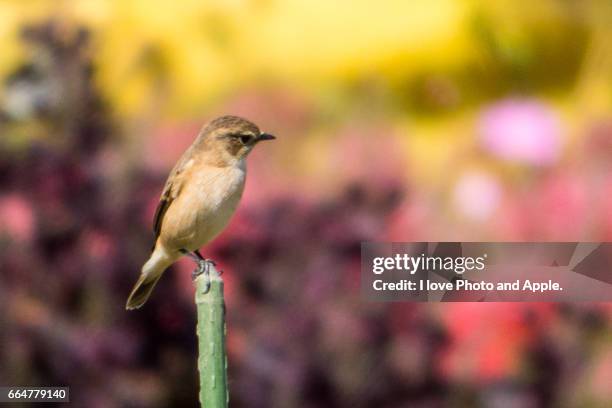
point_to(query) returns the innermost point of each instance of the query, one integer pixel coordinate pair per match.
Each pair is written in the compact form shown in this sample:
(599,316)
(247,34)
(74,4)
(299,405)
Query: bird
(198,199)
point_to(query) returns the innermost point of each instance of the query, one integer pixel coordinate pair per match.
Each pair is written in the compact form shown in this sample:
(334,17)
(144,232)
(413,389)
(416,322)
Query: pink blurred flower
(477,195)
(16,217)
(559,207)
(409,221)
(487,342)
(521,130)
(99,244)
(599,383)
(607,219)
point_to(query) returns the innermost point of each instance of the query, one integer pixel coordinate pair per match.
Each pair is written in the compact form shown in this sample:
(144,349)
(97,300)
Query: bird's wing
(171,190)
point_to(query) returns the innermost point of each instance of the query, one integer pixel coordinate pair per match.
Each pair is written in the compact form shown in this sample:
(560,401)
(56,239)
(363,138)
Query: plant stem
(212,360)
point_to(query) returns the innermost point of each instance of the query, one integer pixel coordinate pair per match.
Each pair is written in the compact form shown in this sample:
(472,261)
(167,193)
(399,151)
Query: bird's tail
(151,272)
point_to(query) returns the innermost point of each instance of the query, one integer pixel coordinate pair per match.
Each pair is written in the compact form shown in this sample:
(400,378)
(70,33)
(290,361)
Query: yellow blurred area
(419,73)
(192,51)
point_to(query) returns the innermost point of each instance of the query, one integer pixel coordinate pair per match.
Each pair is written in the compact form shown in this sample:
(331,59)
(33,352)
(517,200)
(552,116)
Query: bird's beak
(265,136)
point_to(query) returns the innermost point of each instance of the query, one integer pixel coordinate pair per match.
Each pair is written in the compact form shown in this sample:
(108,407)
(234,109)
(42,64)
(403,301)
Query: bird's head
(231,138)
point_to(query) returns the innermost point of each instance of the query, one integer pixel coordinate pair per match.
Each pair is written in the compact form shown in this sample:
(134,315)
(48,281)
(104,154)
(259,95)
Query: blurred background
(396,121)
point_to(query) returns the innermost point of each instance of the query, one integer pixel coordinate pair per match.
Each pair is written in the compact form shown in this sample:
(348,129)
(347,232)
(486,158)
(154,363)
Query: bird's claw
(203,268)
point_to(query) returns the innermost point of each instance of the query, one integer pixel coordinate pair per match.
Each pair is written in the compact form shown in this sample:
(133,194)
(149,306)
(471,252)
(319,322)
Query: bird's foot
(203,268)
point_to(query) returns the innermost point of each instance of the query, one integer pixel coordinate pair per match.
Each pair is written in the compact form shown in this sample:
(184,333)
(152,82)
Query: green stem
(212,360)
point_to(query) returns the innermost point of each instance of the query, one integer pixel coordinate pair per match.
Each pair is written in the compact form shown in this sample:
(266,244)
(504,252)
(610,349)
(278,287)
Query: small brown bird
(199,197)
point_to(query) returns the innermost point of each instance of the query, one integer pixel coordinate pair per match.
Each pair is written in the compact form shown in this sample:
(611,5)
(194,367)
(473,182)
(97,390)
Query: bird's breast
(215,188)
(216,193)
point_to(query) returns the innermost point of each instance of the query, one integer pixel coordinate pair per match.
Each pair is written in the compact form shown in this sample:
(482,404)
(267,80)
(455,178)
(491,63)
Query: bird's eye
(244,139)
